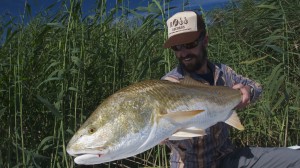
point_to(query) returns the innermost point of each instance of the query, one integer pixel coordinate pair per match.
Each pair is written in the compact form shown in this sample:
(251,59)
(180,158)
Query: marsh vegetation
(56,67)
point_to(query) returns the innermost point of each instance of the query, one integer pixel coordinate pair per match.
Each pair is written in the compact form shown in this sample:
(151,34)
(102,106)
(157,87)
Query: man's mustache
(188,56)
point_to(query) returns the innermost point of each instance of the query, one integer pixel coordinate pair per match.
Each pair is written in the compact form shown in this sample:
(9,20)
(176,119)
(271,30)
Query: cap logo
(182,22)
(177,22)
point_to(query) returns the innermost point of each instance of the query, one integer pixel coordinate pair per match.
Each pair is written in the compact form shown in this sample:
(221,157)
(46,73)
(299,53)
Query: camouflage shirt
(206,151)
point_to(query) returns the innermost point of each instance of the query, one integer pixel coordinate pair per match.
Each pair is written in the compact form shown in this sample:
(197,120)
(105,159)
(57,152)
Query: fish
(140,116)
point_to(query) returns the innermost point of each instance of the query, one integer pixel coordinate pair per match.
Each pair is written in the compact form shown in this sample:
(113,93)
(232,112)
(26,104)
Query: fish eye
(92,130)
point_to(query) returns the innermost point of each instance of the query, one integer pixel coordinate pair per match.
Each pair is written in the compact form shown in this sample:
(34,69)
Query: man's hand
(245,91)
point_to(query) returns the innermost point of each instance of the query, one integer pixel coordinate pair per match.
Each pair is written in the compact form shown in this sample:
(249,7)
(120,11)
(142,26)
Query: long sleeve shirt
(206,151)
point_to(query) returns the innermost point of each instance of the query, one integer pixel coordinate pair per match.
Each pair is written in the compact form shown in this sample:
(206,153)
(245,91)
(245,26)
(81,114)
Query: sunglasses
(186,46)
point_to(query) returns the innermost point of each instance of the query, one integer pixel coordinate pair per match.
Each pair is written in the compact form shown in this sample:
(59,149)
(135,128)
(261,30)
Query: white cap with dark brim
(182,28)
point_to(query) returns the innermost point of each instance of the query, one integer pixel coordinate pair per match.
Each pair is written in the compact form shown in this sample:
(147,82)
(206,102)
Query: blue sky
(16,7)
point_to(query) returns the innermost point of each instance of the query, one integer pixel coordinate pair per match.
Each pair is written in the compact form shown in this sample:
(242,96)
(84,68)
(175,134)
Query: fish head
(114,129)
(90,139)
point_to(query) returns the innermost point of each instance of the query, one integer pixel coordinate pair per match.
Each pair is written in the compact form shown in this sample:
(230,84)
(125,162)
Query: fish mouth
(93,157)
(89,159)
(82,155)
(88,151)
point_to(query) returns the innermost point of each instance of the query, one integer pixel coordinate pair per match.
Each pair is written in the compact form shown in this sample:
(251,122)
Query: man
(187,37)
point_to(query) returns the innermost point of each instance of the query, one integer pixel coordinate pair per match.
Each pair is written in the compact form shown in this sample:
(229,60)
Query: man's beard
(198,64)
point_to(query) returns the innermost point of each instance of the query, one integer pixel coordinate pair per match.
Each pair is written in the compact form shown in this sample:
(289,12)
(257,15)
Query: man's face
(192,59)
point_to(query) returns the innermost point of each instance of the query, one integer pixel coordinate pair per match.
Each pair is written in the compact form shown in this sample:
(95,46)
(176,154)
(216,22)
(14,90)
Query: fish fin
(234,121)
(294,147)
(187,133)
(182,115)
(171,79)
(175,138)
(189,81)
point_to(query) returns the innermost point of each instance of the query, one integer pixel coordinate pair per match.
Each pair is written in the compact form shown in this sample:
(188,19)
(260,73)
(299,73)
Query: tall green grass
(260,40)
(58,67)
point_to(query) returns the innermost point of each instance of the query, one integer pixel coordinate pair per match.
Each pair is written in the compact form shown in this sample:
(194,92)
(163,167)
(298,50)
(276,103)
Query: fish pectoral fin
(182,115)
(234,121)
(187,133)
(175,138)
(171,79)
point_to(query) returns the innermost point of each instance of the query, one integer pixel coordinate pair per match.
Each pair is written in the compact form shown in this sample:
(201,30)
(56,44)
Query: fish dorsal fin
(234,121)
(187,133)
(182,115)
(189,81)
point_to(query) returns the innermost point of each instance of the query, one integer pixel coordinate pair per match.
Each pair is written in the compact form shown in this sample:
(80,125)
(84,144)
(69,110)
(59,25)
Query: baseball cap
(184,27)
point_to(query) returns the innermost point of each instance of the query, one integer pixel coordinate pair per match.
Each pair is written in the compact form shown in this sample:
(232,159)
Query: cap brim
(182,39)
